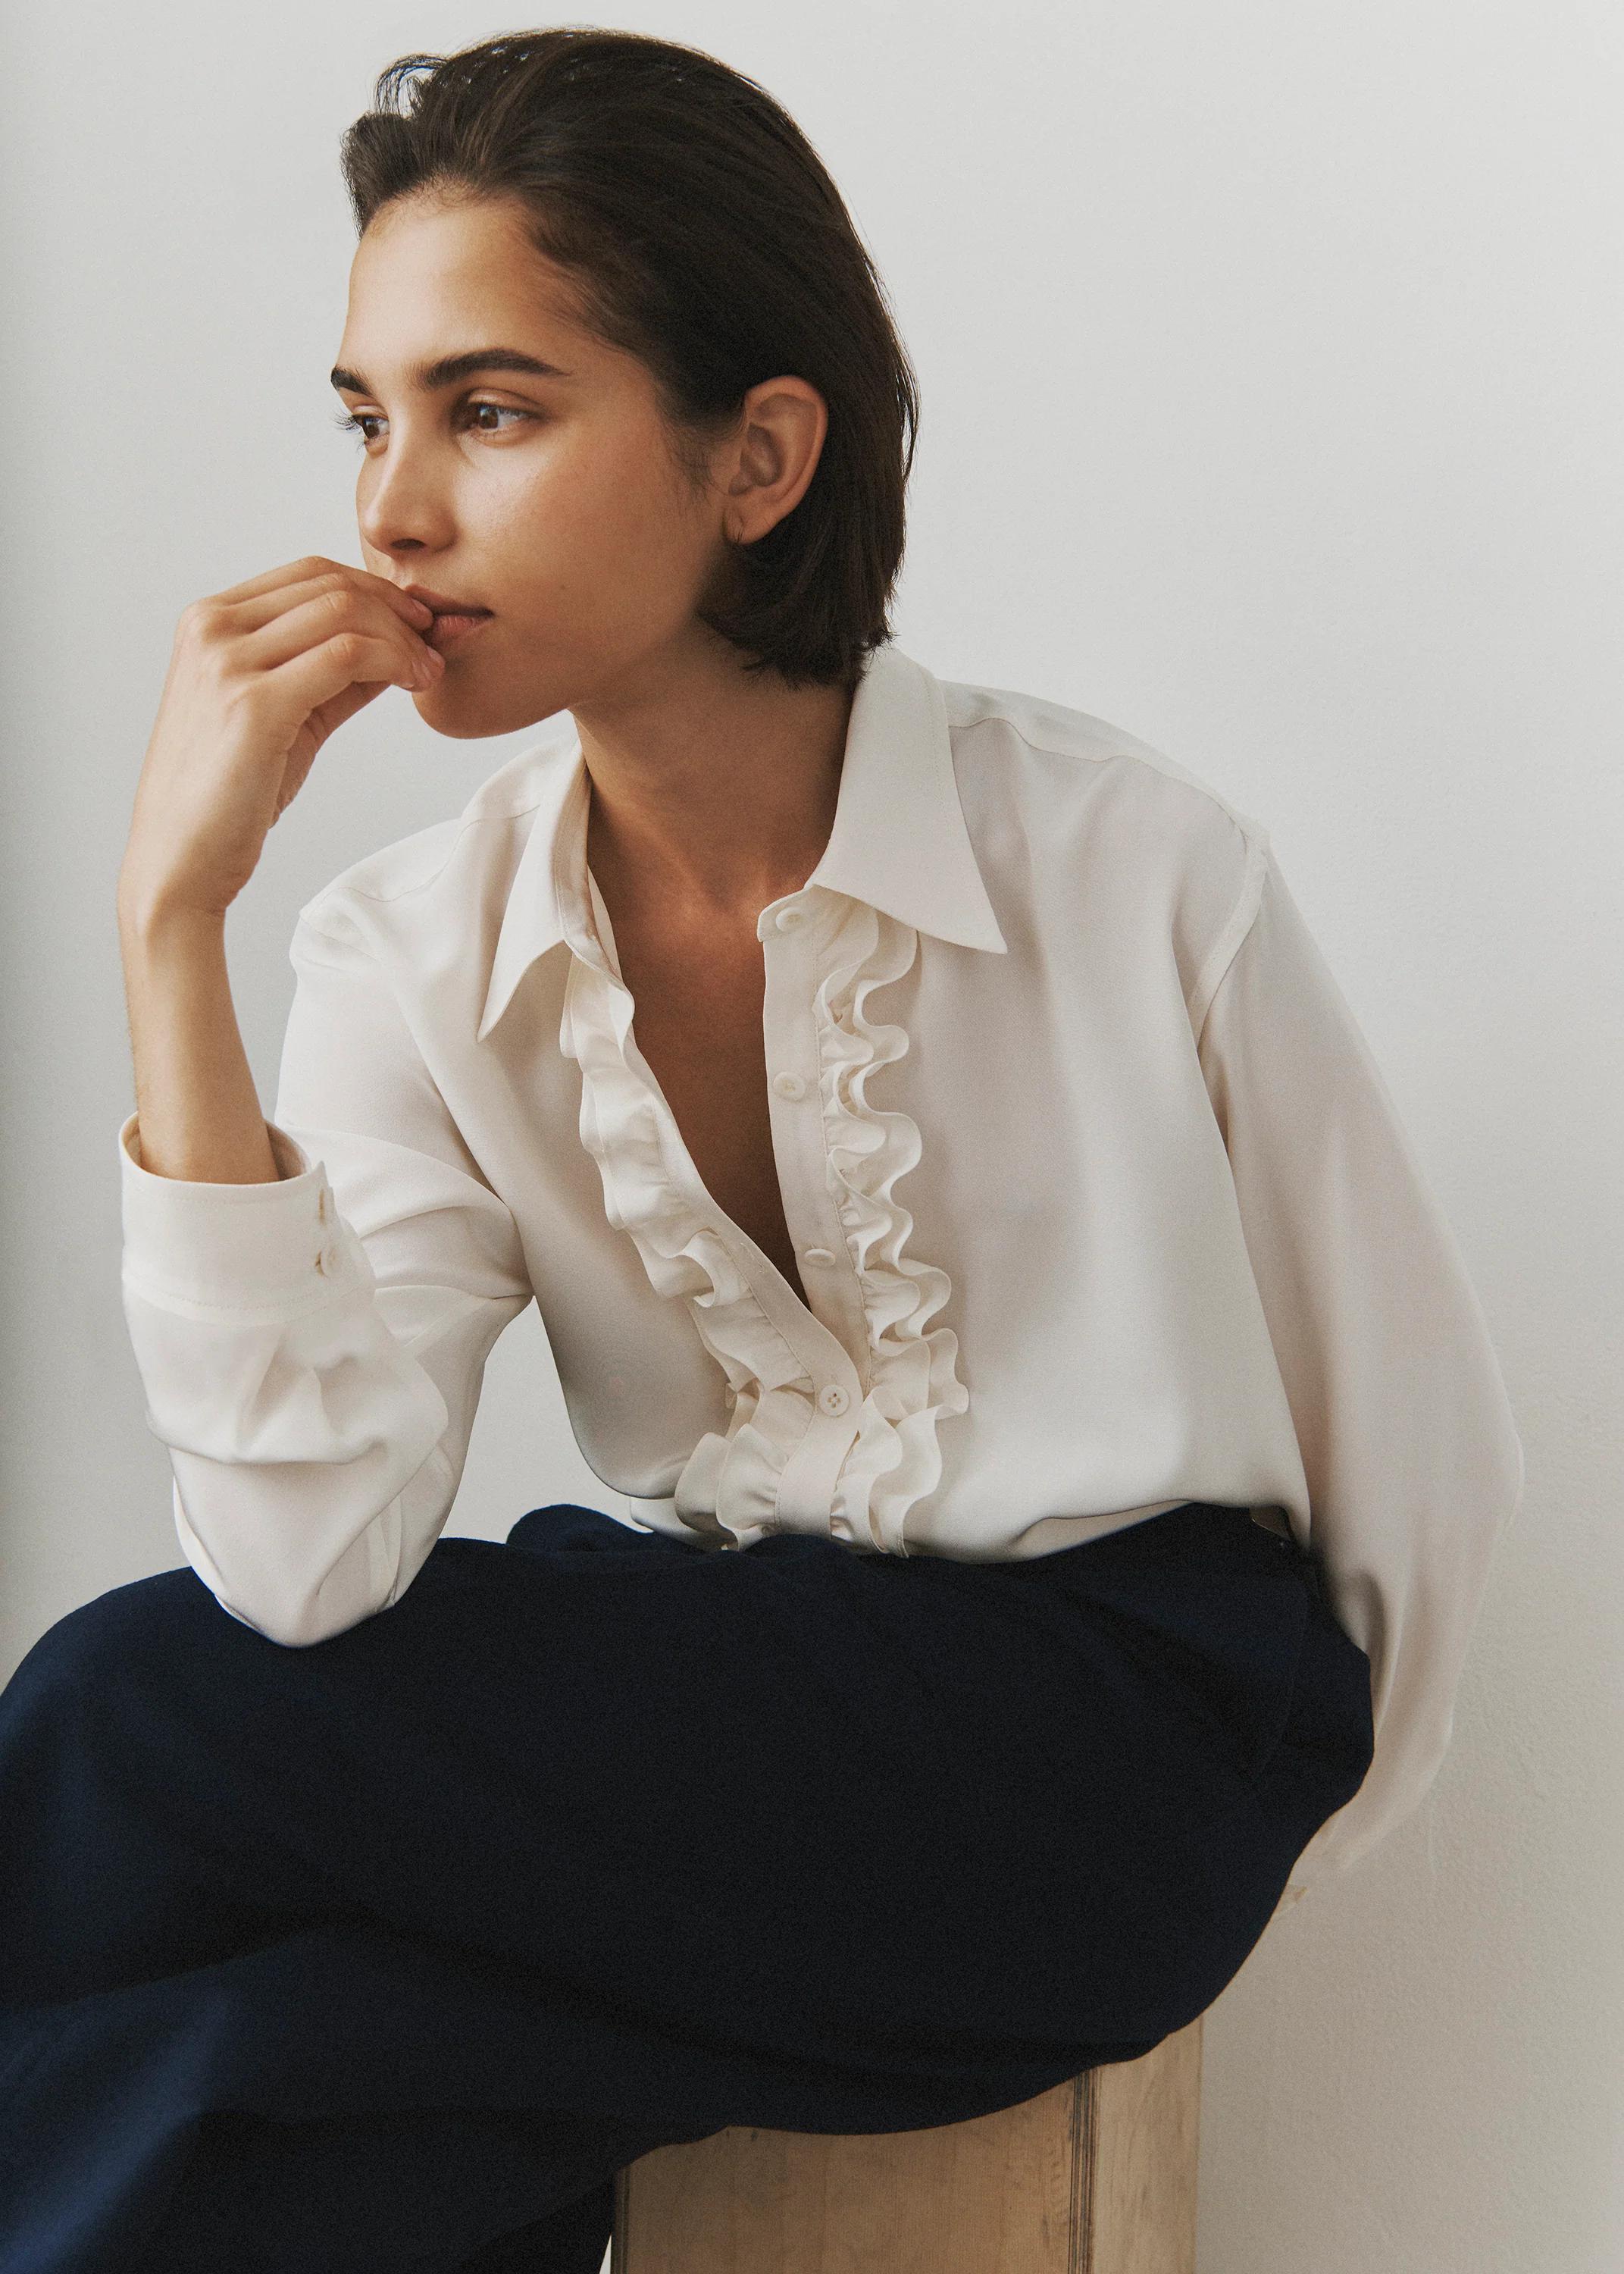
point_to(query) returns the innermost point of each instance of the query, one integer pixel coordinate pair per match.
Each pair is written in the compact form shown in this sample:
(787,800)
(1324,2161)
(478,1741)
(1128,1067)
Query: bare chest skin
(697,1021)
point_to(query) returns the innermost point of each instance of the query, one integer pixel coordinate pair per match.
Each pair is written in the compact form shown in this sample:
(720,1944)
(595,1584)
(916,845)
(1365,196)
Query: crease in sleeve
(1409,1448)
(312,1349)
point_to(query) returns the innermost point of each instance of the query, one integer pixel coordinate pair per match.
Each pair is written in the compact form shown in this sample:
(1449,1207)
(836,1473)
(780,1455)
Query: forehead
(429,277)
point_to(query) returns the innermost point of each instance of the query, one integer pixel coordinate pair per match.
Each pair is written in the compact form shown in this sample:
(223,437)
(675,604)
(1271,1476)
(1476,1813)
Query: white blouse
(1100,1203)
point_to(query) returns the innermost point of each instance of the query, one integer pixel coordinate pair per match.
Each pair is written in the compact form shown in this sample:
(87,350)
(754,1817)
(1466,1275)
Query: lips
(450,629)
(455,620)
(447,604)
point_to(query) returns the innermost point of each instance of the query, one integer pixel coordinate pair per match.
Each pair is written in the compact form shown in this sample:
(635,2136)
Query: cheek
(601,548)
(616,506)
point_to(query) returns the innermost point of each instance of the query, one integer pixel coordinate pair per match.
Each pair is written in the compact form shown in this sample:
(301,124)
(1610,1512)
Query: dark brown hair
(700,232)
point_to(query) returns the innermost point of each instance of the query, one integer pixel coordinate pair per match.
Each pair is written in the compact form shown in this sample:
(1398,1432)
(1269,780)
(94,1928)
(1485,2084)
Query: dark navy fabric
(387,1952)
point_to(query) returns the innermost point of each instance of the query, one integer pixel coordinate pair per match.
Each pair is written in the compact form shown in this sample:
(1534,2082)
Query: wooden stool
(1096,2176)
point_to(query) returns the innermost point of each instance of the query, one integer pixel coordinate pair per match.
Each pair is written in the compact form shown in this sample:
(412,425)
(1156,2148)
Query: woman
(1024,1580)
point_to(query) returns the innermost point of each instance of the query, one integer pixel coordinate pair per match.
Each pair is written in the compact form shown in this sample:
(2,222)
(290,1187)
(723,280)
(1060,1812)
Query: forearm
(198,1113)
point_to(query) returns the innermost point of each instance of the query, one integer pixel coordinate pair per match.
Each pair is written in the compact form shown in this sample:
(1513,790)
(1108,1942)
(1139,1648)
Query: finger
(314,565)
(264,608)
(330,615)
(284,699)
(328,716)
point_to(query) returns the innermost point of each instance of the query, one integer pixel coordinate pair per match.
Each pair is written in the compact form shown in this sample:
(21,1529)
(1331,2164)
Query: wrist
(150,914)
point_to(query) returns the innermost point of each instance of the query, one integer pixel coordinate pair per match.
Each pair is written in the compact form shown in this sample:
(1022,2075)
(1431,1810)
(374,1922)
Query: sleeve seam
(1234,932)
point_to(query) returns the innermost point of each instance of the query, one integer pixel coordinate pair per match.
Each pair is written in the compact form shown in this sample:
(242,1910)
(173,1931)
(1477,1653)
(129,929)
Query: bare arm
(198,1110)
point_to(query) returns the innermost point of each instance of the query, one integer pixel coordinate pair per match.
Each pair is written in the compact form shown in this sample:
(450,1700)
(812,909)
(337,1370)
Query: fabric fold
(728,1483)
(896,1459)
(731,1482)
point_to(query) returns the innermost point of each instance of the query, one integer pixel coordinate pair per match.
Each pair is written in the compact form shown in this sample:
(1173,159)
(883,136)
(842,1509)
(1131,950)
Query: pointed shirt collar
(899,842)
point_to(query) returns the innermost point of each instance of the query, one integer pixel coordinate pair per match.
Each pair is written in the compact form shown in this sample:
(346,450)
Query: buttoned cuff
(273,1246)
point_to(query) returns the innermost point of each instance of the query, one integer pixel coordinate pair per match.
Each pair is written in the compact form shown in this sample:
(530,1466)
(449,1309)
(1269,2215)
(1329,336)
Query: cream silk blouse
(1100,1203)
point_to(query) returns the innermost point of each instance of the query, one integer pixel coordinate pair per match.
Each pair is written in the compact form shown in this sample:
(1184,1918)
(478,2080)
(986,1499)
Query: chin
(471,714)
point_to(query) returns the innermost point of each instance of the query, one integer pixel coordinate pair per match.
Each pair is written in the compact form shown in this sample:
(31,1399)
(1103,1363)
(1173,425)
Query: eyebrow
(428,378)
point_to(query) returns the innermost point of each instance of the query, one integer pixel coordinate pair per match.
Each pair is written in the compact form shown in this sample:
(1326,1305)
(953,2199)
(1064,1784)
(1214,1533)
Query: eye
(358,422)
(503,411)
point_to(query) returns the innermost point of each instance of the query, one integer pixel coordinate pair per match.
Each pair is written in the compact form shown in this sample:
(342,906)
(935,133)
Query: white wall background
(1270,363)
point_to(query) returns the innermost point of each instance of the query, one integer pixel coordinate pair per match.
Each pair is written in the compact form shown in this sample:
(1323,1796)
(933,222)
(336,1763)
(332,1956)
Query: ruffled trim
(896,1459)
(730,1483)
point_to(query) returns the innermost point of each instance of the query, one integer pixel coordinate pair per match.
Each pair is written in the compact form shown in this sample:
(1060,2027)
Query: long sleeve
(1412,1463)
(312,1350)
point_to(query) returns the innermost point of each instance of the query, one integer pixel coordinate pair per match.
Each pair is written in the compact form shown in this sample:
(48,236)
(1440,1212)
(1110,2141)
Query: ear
(784,423)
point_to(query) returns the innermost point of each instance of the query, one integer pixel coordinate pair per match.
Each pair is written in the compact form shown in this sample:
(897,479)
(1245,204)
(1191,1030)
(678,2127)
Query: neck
(713,791)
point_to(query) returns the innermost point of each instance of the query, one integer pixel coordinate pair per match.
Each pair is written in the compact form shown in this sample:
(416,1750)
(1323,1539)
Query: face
(551,500)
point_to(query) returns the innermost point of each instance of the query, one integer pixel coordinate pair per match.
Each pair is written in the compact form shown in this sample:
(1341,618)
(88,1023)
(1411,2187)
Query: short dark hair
(700,232)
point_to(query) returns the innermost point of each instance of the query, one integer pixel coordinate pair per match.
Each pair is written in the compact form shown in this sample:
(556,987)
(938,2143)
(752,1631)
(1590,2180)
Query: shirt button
(329,1260)
(817,1255)
(788,1085)
(787,918)
(832,1398)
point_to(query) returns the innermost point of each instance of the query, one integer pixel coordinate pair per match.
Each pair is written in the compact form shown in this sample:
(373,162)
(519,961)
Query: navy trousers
(387,1952)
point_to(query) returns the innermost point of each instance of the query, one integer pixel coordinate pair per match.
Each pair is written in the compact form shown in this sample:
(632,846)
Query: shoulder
(1101,819)
(1063,756)
(455,859)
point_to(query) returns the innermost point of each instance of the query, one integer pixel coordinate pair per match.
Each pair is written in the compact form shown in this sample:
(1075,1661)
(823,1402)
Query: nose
(401,505)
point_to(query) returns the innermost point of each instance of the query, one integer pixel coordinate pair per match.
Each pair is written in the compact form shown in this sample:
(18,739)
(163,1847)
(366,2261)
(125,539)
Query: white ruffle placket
(821,1436)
